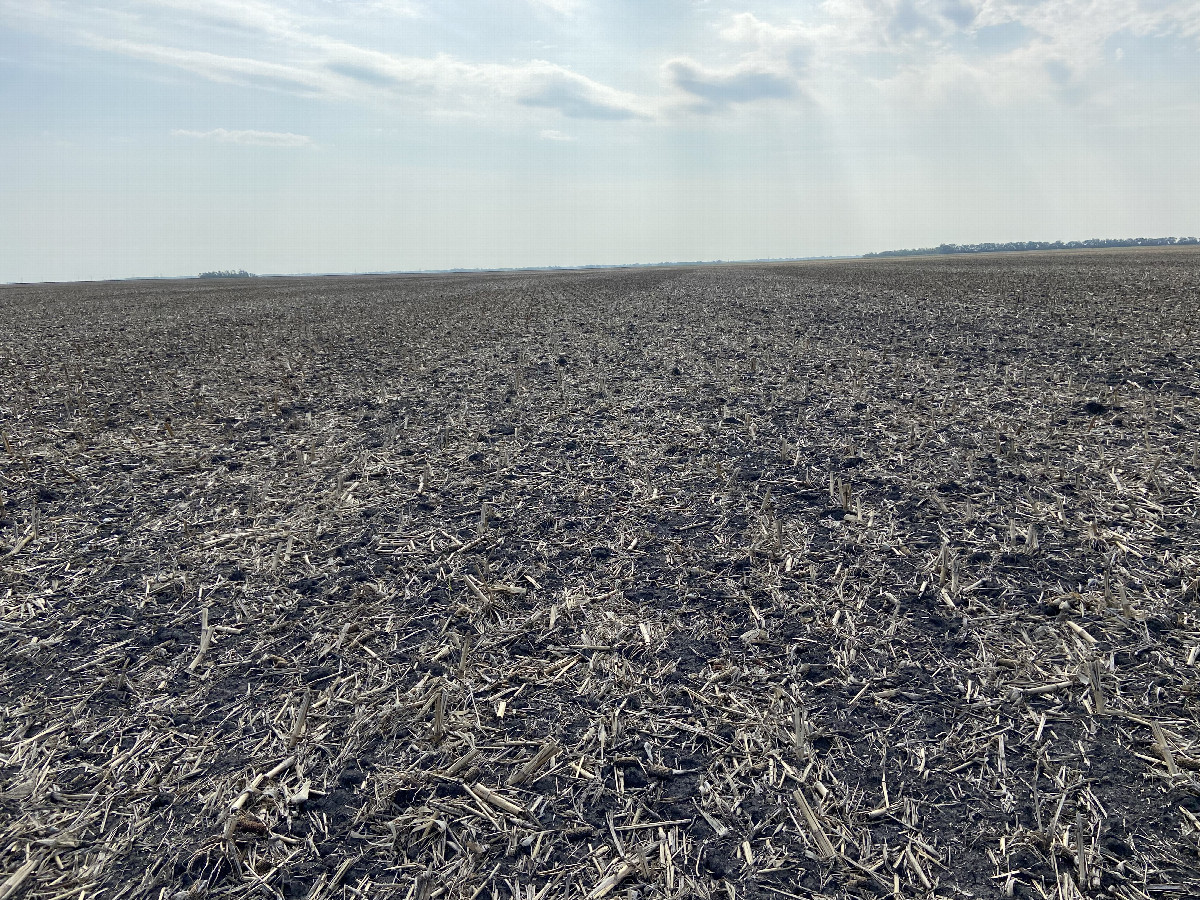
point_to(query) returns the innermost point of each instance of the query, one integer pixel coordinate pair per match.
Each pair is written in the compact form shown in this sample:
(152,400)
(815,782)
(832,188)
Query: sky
(170,137)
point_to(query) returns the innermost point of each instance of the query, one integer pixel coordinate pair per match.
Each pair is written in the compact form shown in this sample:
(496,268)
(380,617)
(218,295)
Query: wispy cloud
(255,138)
(551,134)
(296,56)
(575,96)
(718,88)
(215,66)
(911,54)
(770,59)
(562,7)
(766,41)
(915,52)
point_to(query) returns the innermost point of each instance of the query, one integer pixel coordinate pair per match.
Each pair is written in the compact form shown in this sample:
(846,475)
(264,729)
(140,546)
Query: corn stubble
(829,580)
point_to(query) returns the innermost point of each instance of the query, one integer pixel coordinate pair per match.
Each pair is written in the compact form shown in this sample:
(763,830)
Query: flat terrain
(845,579)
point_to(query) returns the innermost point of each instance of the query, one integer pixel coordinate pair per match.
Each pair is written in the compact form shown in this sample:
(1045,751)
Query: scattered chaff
(784,580)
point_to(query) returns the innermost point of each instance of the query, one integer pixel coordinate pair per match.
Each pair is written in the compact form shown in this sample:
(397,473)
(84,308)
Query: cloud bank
(718,88)
(913,51)
(250,137)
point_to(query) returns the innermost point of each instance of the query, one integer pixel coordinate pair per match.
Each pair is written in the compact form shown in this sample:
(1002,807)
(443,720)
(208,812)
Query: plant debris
(841,579)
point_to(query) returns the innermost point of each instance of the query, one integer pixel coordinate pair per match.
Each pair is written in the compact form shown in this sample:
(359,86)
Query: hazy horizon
(170,137)
(893,254)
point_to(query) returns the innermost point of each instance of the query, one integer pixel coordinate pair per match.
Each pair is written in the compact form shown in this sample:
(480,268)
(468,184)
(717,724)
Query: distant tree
(227,273)
(1025,246)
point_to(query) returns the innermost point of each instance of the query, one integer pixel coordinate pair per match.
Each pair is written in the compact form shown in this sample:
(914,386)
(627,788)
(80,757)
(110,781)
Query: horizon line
(941,250)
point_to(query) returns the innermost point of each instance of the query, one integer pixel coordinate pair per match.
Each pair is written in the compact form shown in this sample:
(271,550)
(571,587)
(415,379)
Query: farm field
(840,579)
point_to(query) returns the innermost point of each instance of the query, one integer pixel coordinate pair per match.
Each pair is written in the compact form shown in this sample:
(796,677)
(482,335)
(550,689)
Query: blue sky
(167,137)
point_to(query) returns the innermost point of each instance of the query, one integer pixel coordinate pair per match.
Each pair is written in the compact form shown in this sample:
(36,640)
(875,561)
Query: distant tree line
(227,273)
(1017,246)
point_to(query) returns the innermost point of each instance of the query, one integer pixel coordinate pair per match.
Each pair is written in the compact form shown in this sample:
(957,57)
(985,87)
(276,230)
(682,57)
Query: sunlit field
(845,579)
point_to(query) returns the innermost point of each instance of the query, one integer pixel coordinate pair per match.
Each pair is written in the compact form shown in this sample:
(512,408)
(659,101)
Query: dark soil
(829,580)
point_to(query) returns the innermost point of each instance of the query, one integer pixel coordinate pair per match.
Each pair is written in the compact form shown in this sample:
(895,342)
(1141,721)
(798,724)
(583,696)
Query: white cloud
(717,88)
(768,41)
(925,53)
(255,138)
(246,15)
(918,53)
(401,8)
(292,54)
(573,95)
(215,66)
(550,134)
(562,7)
(770,59)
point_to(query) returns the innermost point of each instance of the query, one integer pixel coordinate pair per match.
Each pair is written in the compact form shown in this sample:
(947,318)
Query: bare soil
(839,580)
